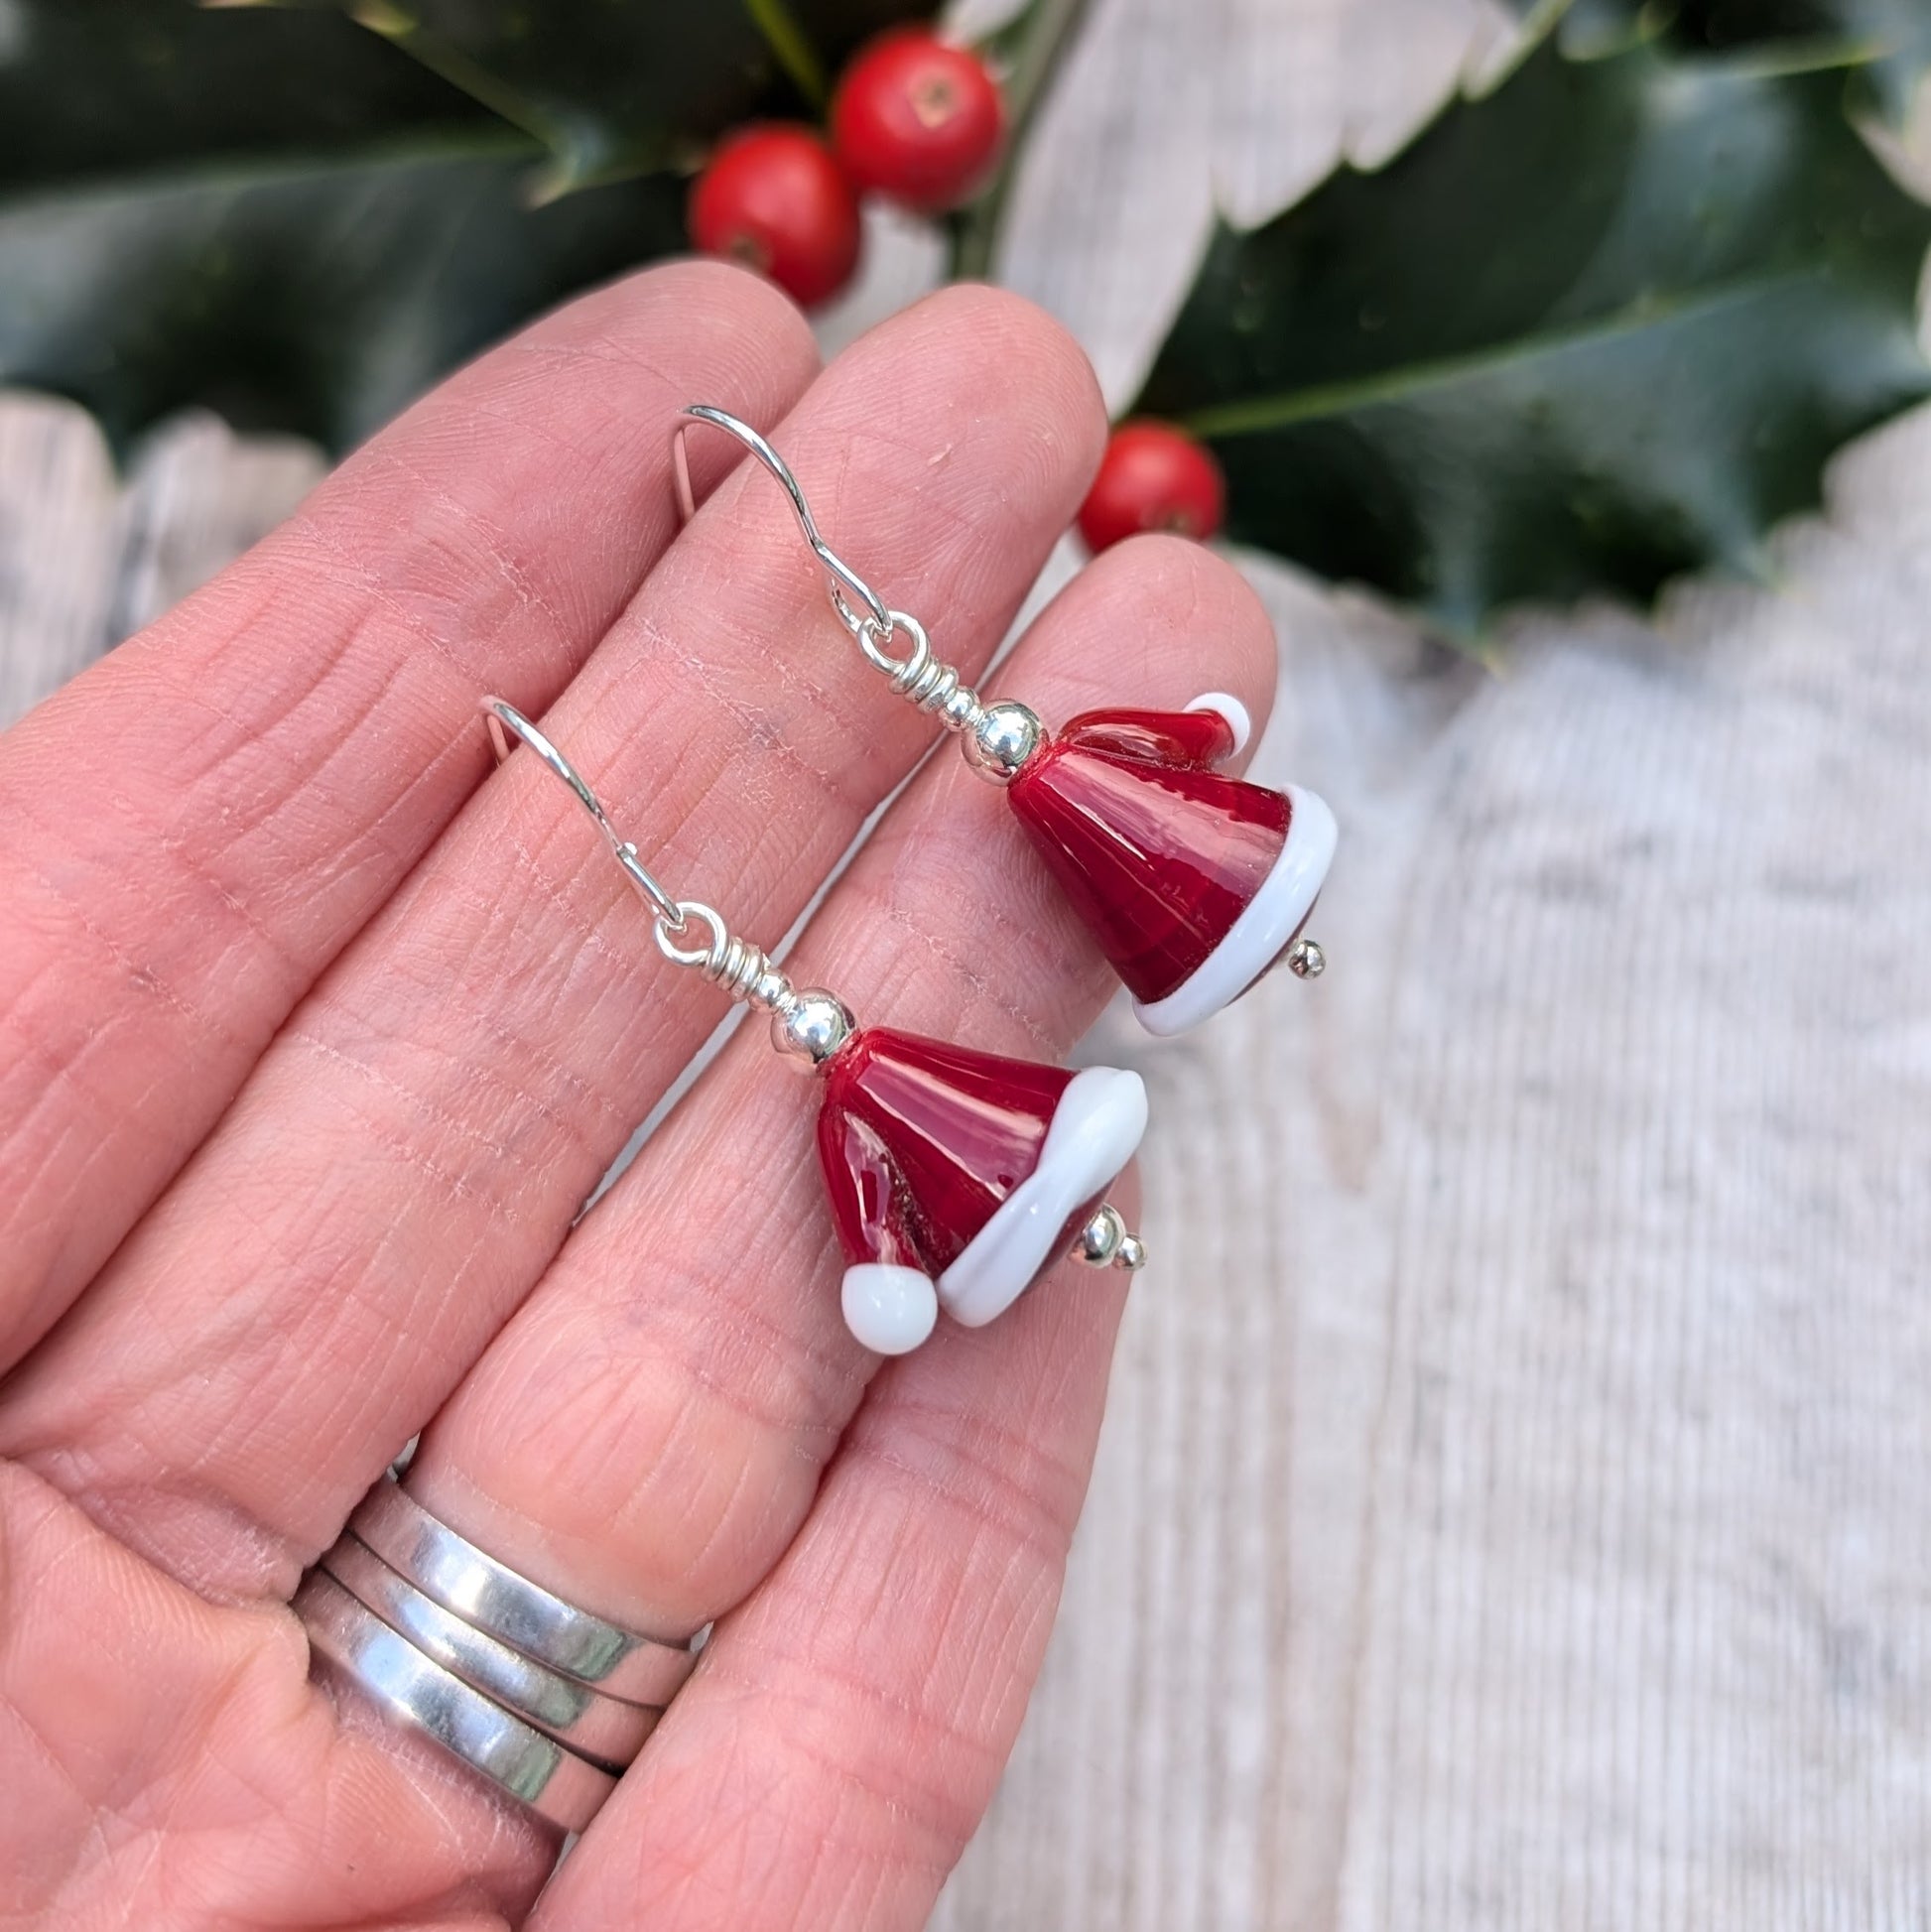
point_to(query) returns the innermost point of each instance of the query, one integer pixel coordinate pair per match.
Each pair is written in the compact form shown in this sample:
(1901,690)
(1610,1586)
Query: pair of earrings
(957,1178)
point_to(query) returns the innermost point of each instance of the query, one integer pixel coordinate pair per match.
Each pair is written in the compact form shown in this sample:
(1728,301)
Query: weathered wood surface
(1514,1504)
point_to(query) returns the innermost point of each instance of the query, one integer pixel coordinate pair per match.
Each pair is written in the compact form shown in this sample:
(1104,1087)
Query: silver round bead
(1000,744)
(1101,1237)
(814,1026)
(1306,960)
(1131,1255)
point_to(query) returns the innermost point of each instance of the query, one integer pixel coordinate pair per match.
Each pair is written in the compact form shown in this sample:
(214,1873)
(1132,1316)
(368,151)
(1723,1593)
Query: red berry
(1153,476)
(774,199)
(917,121)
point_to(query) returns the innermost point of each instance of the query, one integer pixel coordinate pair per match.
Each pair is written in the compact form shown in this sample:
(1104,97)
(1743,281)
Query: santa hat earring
(1194,882)
(956,1178)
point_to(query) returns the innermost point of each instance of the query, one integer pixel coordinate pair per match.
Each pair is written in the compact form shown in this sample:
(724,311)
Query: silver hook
(501,714)
(840,575)
(813,1025)
(918,676)
(745,972)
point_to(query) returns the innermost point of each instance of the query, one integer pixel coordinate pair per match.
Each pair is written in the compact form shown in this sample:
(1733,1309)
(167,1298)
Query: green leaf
(1891,38)
(316,300)
(613,89)
(1886,44)
(277,213)
(1720,25)
(95,89)
(1599,326)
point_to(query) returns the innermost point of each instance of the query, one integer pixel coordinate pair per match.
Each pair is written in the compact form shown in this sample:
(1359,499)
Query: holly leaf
(1879,25)
(102,90)
(319,300)
(280,215)
(1599,326)
(1888,43)
(611,90)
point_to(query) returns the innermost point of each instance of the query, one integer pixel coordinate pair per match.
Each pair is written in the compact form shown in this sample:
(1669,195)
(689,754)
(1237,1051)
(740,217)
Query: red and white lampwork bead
(1193,882)
(956,1178)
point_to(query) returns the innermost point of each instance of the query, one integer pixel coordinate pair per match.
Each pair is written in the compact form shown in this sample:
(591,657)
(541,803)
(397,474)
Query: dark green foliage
(302,219)
(1888,41)
(1598,327)
(615,87)
(98,89)
(318,300)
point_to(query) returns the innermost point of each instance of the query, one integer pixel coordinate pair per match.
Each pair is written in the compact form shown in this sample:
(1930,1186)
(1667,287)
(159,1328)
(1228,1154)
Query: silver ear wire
(918,676)
(839,576)
(502,715)
(812,1024)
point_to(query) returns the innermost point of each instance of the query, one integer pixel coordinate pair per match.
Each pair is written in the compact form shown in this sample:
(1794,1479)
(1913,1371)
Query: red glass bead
(1196,739)
(921,1141)
(1158,854)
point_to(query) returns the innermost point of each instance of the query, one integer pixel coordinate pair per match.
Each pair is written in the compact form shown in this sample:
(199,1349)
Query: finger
(198,824)
(838,1746)
(168,1763)
(647,1434)
(411,1150)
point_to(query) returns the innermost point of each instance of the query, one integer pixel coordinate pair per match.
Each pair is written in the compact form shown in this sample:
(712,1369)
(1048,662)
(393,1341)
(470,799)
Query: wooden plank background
(1513,1506)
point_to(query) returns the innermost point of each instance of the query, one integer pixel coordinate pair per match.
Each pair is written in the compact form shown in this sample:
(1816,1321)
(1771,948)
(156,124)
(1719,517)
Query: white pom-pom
(891,1310)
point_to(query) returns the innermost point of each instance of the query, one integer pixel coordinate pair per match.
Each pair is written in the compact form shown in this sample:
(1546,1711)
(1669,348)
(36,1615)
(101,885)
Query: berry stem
(792,47)
(1034,42)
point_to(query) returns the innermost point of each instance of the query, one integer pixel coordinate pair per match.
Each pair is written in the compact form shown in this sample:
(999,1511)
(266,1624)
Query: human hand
(313,1043)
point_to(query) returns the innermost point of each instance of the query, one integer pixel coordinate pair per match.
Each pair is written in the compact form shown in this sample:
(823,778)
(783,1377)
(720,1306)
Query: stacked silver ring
(547,1701)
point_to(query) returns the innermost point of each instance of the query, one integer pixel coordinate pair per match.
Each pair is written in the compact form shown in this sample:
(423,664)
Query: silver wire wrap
(744,972)
(919,674)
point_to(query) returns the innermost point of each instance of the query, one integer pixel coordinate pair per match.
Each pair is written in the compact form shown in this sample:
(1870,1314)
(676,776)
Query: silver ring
(536,1771)
(491,1597)
(590,1723)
